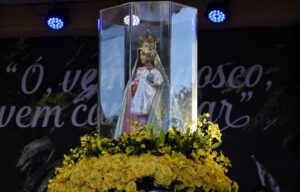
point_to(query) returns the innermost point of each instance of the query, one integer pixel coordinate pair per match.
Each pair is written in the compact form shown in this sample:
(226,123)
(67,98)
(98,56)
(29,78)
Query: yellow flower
(159,178)
(223,159)
(166,171)
(139,139)
(116,165)
(215,132)
(131,187)
(195,145)
(128,175)
(166,149)
(235,186)
(179,187)
(171,131)
(86,188)
(121,172)
(149,169)
(183,134)
(120,186)
(138,170)
(129,150)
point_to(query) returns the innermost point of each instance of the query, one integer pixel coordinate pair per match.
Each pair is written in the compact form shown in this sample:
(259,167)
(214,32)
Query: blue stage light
(56,19)
(55,23)
(216,16)
(217,11)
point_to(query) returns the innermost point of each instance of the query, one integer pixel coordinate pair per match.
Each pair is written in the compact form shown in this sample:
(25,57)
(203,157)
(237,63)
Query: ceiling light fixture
(217,11)
(56,19)
(135,20)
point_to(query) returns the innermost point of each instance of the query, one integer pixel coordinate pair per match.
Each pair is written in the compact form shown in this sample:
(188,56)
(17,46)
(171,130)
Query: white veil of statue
(161,108)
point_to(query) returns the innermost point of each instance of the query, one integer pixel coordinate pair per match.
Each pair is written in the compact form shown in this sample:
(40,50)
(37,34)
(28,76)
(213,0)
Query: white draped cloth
(145,91)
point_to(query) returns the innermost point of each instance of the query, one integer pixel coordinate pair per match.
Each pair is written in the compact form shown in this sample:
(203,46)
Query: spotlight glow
(56,19)
(135,20)
(216,16)
(55,23)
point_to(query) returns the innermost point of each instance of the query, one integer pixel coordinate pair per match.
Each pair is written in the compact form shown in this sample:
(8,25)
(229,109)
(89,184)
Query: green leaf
(216,145)
(177,139)
(162,137)
(188,131)
(206,138)
(174,128)
(194,136)
(151,131)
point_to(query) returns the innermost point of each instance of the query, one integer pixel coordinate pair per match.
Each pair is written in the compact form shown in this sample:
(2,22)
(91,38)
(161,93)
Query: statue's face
(143,57)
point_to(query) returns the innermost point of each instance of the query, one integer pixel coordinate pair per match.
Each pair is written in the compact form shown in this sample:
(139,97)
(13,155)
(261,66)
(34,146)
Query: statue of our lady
(148,97)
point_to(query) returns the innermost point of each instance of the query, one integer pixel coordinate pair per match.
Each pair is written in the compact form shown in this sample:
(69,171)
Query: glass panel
(113,66)
(184,60)
(148,66)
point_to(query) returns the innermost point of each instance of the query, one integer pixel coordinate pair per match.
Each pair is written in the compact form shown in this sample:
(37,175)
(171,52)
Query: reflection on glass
(184,61)
(112,71)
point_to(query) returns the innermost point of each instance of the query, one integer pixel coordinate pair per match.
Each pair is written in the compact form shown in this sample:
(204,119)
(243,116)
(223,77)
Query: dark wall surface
(246,81)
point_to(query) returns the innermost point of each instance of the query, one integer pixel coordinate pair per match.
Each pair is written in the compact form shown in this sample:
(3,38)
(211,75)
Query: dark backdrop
(246,80)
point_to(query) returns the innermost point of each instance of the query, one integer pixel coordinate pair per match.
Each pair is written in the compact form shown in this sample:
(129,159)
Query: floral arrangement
(143,160)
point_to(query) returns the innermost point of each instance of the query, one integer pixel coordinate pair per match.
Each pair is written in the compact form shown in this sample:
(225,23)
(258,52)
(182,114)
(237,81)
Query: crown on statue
(147,43)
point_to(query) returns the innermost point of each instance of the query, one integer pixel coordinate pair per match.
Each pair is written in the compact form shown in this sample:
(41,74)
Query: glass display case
(148,67)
